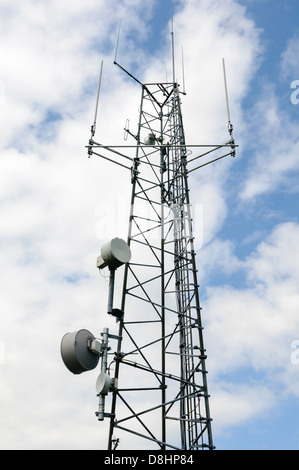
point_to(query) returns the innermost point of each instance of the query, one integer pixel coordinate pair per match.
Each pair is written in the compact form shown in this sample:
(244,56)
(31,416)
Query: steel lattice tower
(161,340)
(161,332)
(154,375)
(160,390)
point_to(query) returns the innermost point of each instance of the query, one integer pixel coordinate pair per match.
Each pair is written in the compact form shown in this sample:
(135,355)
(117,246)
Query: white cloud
(275,149)
(221,30)
(280,252)
(218,256)
(289,62)
(252,329)
(237,402)
(50,53)
(274,134)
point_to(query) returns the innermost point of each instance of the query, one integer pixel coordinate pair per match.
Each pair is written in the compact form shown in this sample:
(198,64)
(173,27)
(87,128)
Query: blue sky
(57,206)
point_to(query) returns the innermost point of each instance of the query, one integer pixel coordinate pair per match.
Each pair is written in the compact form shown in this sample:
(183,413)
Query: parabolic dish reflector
(75,351)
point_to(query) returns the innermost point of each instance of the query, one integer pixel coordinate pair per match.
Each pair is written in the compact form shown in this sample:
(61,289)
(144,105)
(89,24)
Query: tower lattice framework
(160,392)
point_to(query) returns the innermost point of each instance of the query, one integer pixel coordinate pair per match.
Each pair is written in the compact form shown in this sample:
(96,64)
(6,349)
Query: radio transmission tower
(153,372)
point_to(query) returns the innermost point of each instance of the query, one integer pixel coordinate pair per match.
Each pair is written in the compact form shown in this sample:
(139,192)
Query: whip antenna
(183,71)
(172,46)
(93,127)
(116,49)
(230,127)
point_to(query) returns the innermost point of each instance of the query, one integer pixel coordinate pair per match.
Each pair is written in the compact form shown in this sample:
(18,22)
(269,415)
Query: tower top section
(160,95)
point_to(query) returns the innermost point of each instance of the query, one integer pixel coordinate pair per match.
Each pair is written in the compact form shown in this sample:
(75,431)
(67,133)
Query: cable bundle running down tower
(156,376)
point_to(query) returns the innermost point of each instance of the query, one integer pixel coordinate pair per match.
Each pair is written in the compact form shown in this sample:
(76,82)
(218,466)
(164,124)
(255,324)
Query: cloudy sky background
(57,206)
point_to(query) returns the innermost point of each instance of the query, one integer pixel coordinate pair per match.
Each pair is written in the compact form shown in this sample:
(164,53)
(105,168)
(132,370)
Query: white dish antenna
(103,383)
(76,352)
(114,254)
